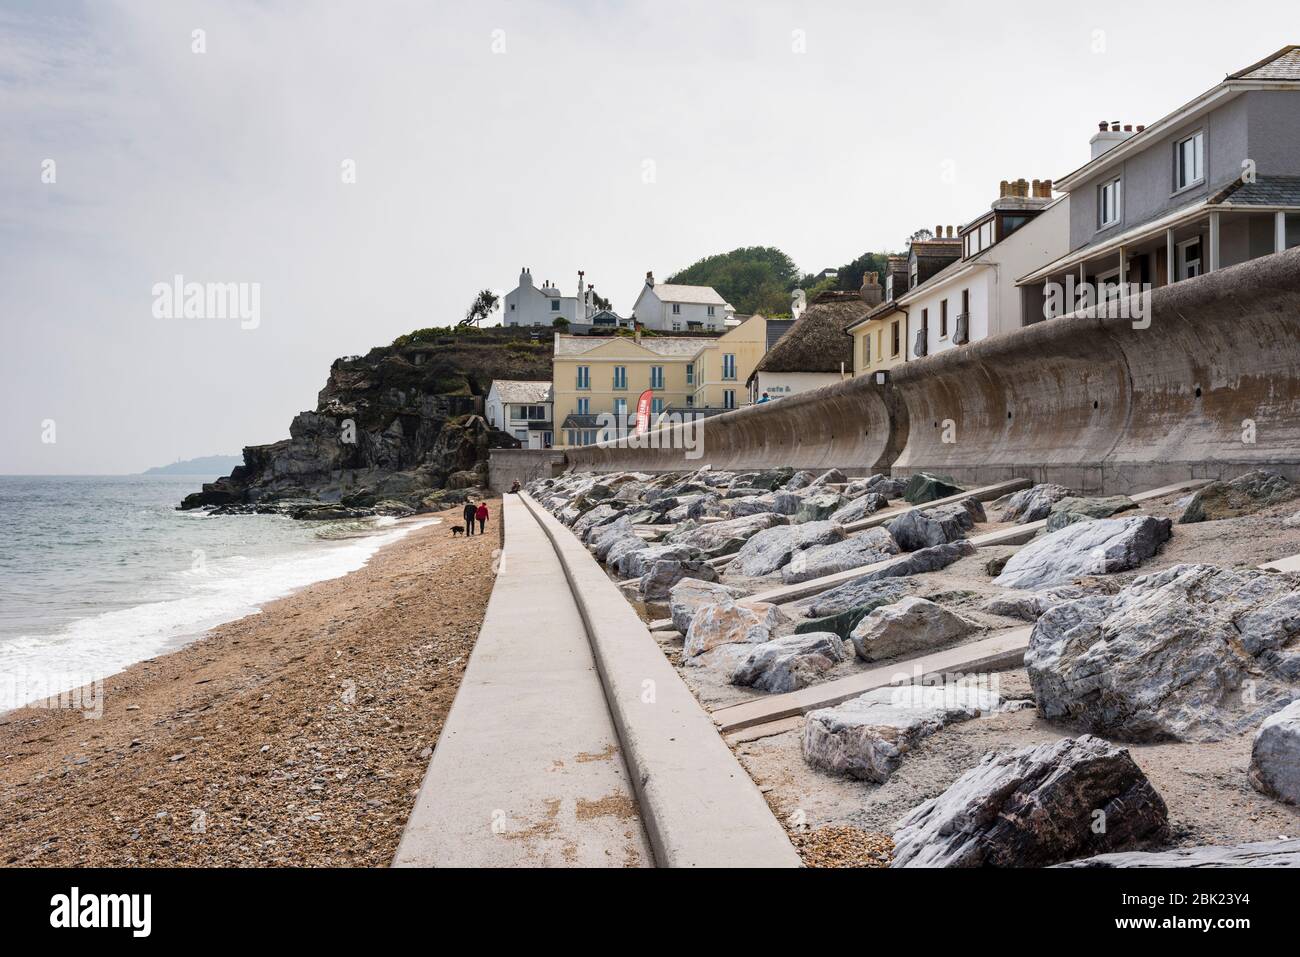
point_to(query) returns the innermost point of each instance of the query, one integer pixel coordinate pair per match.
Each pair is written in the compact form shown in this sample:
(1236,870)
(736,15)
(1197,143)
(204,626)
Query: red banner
(643,411)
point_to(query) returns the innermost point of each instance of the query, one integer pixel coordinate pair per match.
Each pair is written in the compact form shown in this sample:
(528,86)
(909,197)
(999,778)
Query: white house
(522,408)
(976,296)
(672,308)
(529,305)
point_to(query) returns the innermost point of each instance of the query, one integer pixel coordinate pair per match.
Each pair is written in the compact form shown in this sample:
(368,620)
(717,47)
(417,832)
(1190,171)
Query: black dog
(457,530)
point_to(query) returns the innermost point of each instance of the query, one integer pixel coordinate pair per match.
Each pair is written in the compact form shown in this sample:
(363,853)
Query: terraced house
(1213,184)
(597,377)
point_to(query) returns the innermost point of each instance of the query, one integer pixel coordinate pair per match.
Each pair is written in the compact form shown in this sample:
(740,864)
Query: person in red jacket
(482,515)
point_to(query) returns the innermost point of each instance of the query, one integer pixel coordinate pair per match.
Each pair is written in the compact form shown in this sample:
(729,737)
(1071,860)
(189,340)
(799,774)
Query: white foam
(35,666)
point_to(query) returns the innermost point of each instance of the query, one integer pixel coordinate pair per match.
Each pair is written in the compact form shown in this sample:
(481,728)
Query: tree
(560,323)
(483,306)
(753,278)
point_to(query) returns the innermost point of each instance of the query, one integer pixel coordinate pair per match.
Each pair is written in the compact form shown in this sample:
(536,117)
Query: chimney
(938,232)
(636,329)
(1003,188)
(1108,137)
(1047,189)
(871,291)
(649,281)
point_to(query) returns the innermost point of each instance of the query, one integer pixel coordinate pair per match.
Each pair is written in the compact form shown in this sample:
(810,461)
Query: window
(911,274)
(677,309)
(1108,204)
(889,288)
(690,402)
(965,302)
(656,406)
(620,377)
(690,374)
(894,332)
(584,377)
(728,366)
(584,407)
(677,327)
(620,410)
(656,377)
(1189,161)
(710,310)
(547,440)
(1189,258)
(533,413)
(555,305)
(943,319)
(925,319)
(728,398)
(866,350)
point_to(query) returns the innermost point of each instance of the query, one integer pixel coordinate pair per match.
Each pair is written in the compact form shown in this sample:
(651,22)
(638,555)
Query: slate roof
(672,346)
(523,391)
(703,295)
(1282,65)
(1265,191)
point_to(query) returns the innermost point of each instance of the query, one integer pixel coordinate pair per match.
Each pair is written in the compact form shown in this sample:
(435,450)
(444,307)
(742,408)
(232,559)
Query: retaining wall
(1209,389)
(523,465)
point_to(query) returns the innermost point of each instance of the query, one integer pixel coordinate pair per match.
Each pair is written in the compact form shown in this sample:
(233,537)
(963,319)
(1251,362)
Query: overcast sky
(614,137)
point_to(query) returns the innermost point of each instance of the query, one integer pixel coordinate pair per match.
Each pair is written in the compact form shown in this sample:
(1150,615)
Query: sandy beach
(297,736)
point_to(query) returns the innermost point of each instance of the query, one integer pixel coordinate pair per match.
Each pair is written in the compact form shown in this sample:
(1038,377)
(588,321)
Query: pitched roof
(1282,65)
(1265,191)
(702,295)
(678,346)
(816,342)
(523,390)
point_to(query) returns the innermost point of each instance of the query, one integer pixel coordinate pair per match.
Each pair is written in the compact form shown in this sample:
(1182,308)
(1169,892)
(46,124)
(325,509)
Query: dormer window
(889,287)
(1108,204)
(1189,161)
(911,274)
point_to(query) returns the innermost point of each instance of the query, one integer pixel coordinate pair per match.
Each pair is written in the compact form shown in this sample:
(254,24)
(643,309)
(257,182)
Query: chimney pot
(1047,188)
(1114,126)
(1141,128)
(1128,127)
(950,232)
(1103,126)
(1002,188)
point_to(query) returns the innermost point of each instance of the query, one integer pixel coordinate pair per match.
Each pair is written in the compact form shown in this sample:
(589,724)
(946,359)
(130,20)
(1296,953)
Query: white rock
(911,626)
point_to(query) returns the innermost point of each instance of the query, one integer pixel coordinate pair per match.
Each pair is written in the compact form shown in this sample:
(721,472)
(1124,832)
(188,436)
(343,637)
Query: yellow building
(879,339)
(595,378)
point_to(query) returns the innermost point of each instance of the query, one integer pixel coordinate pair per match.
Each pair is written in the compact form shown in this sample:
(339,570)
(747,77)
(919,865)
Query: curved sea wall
(1207,388)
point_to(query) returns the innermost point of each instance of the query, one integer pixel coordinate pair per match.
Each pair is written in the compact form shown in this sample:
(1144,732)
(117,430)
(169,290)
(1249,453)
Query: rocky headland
(396,431)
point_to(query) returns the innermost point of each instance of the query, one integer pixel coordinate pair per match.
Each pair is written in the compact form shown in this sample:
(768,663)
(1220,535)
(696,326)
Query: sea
(98,573)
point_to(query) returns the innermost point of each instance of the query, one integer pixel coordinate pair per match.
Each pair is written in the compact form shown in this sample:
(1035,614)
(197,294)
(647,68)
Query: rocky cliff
(397,429)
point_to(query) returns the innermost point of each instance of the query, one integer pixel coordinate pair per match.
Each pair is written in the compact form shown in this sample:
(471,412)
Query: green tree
(753,278)
(482,307)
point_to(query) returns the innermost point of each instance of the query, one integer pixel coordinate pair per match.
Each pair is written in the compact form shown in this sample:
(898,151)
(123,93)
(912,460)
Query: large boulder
(1030,605)
(691,594)
(923,528)
(904,566)
(819,506)
(726,622)
(924,487)
(599,516)
(865,548)
(1071,509)
(620,548)
(1275,756)
(660,575)
(770,549)
(801,480)
(1033,807)
(859,508)
(866,737)
(1032,504)
(908,627)
(880,484)
(857,594)
(632,563)
(789,663)
(713,539)
(1098,547)
(1192,653)
(1244,495)
(1280,853)
(829,477)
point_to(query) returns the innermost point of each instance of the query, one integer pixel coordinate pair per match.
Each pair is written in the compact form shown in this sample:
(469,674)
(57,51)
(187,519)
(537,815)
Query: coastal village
(1213,184)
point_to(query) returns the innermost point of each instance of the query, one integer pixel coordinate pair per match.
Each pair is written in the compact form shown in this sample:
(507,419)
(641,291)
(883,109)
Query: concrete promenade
(528,771)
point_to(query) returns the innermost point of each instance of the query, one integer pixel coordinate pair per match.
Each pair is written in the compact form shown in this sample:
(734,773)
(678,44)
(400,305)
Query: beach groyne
(1206,385)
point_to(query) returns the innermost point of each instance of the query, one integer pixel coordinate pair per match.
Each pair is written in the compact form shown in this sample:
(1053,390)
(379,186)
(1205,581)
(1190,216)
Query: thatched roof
(817,341)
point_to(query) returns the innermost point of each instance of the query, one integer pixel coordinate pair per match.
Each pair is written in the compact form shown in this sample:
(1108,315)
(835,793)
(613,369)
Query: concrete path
(528,771)
(699,806)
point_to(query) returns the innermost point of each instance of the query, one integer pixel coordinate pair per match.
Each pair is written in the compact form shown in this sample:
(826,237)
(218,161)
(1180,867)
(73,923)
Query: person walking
(481,513)
(469,516)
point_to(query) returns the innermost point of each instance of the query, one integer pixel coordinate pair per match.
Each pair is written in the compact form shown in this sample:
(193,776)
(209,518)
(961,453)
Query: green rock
(1244,495)
(1073,509)
(924,487)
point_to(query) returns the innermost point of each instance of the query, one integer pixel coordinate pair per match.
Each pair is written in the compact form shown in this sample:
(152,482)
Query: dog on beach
(457,530)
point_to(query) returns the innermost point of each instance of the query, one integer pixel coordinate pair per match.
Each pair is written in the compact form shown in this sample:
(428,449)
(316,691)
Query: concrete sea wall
(1209,388)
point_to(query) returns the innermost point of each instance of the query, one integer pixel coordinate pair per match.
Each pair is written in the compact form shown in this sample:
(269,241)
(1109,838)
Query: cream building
(595,378)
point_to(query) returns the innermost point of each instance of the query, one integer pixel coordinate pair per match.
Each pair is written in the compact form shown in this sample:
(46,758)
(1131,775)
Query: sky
(366,168)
